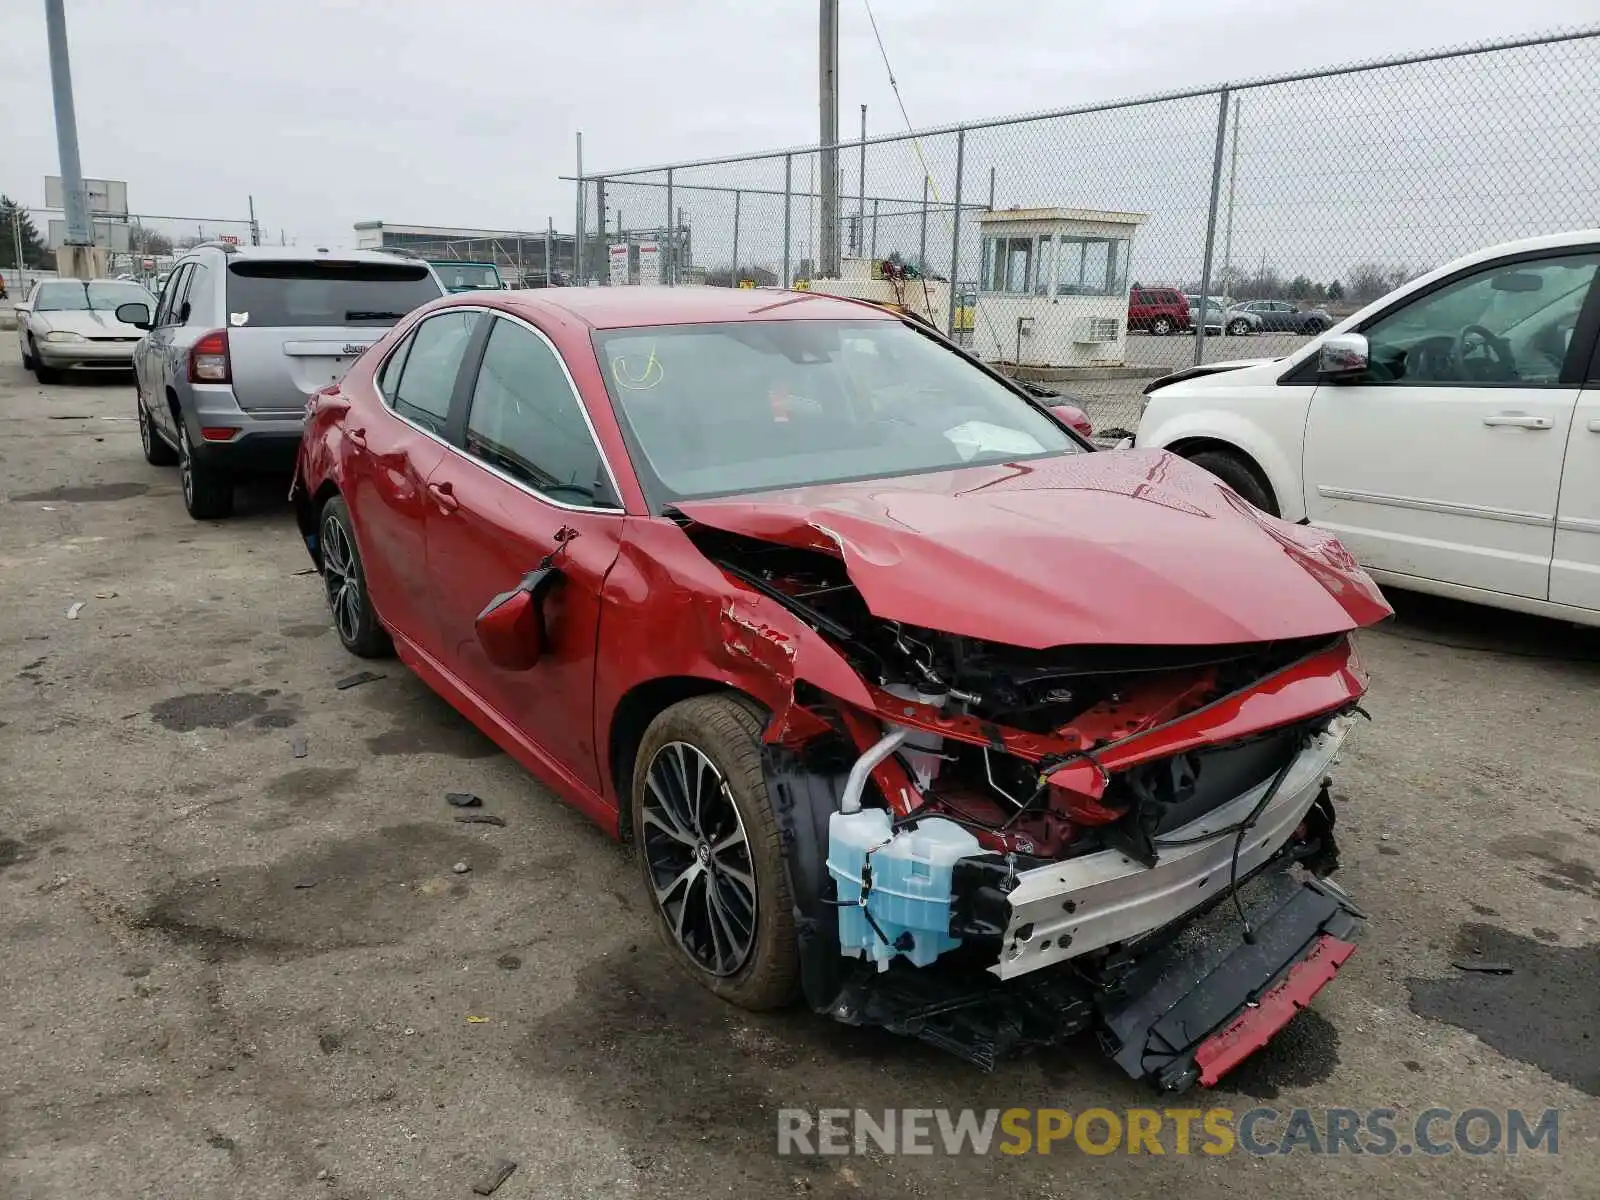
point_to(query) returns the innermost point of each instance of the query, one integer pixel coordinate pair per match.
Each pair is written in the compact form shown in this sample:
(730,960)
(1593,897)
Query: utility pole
(16,240)
(80,236)
(577,229)
(1233,175)
(828,135)
(255,230)
(861,184)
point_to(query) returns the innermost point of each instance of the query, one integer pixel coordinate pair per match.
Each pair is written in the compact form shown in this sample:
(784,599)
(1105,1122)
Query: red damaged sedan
(913,704)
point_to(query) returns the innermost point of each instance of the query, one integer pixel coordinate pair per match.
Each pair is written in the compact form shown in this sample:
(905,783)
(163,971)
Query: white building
(1054,287)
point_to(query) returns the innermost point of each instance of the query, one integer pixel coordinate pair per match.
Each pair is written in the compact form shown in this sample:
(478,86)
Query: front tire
(41,372)
(1239,475)
(207,491)
(344,580)
(1239,328)
(1161,326)
(709,852)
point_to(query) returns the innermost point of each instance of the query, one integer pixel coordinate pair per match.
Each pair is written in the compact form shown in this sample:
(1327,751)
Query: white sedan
(71,324)
(1449,433)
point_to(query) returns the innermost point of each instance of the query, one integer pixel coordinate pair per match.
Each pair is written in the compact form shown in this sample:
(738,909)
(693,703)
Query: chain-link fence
(1055,243)
(524,258)
(141,246)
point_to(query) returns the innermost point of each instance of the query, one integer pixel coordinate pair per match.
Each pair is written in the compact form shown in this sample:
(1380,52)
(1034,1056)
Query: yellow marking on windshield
(646,379)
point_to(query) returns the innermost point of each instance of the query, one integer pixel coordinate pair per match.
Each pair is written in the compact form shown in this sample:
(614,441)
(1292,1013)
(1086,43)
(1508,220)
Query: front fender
(1278,461)
(668,612)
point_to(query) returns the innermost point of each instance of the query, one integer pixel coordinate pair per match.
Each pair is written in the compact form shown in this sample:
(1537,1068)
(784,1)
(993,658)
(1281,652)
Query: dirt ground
(230,971)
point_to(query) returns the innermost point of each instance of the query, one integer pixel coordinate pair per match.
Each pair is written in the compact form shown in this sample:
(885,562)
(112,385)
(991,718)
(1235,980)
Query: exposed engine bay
(989,856)
(1009,714)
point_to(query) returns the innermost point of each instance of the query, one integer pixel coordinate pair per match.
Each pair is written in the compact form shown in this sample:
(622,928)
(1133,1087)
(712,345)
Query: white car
(71,324)
(1449,433)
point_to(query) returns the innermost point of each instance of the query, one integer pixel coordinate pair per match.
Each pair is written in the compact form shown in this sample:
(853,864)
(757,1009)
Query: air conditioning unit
(1098,330)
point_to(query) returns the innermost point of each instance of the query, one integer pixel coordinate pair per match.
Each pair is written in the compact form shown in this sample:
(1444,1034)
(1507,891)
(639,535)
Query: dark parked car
(1279,316)
(911,702)
(1158,310)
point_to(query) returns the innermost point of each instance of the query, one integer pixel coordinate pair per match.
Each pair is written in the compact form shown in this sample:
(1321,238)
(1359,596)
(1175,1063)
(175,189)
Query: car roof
(301,254)
(625,307)
(1551,241)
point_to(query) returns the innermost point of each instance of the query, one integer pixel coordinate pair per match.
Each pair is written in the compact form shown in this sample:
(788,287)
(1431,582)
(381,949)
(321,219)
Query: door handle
(1519,420)
(358,438)
(444,496)
(1594,425)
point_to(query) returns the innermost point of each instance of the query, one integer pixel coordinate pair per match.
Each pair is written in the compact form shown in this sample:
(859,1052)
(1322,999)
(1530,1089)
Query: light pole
(828,136)
(80,237)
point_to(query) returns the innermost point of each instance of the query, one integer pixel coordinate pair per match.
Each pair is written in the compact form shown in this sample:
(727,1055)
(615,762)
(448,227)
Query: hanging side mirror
(511,627)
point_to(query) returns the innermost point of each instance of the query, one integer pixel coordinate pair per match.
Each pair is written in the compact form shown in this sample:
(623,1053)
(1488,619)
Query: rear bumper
(262,441)
(1066,909)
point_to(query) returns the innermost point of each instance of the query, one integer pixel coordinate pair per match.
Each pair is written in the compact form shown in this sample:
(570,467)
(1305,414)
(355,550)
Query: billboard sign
(106,196)
(108,235)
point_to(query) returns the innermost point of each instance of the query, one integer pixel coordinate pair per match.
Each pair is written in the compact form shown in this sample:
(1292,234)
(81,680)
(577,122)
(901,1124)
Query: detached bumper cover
(1206,1002)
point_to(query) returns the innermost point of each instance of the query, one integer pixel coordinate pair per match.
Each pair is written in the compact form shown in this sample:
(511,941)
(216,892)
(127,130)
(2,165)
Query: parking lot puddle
(1542,1014)
(375,889)
(98,493)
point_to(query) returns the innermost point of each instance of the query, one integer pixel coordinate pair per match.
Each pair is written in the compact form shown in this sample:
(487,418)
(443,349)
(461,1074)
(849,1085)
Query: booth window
(1092,266)
(1072,266)
(1010,266)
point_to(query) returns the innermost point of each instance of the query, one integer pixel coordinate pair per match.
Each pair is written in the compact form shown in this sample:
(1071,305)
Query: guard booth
(1053,292)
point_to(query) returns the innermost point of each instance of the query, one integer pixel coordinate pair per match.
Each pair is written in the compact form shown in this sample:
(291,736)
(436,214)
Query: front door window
(1504,326)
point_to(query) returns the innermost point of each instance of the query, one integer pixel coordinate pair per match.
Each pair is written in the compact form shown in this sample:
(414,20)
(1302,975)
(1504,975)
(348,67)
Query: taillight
(208,359)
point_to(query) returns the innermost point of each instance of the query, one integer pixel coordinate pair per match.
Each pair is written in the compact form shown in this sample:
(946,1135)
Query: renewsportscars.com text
(1177,1131)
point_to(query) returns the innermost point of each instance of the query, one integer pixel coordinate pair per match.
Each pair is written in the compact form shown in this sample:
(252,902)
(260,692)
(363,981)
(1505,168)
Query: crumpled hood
(1131,547)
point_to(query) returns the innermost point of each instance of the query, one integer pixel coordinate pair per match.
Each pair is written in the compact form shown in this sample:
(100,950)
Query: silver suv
(240,337)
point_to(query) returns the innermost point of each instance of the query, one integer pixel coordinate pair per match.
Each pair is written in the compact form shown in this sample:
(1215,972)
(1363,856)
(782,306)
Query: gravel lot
(233,972)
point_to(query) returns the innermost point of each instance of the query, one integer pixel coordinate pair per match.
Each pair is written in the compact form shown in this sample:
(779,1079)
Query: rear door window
(326,292)
(197,296)
(432,362)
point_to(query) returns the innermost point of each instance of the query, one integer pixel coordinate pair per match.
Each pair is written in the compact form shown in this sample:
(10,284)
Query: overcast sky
(416,111)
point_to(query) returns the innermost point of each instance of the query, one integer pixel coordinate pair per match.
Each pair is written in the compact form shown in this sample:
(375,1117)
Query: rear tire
(207,490)
(709,852)
(1234,471)
(156,450)
(344,580)
(1161,326)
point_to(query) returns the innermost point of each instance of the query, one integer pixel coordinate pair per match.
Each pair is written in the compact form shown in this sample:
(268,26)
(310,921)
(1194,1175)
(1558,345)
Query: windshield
(77,295)
(761,405)
(300,292)
(467,277)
